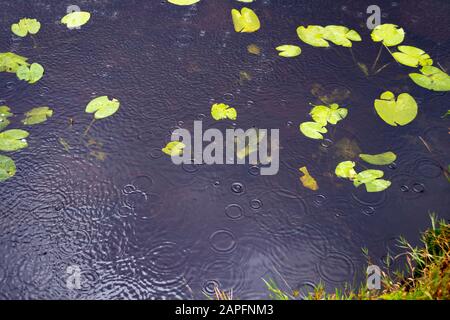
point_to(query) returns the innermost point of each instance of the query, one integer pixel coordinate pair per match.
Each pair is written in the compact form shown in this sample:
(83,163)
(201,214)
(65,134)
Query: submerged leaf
(7,168)
(183,2)
(332,114)
(37,115)
(307,180)
(412,56)
(103,107)
(250,145)
(245,20)
(254,49)
(432,78)
(10,62)
(76,19)
(32,74)
(313,130)
(346,170)
(313,35)
(379,159)
(220,111)
(400,112)
(25,26)
(174,148)
(289,51)
(389,34)
(12,140)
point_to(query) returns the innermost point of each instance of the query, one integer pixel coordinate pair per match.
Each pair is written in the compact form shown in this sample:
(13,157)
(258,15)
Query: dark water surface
(140,227)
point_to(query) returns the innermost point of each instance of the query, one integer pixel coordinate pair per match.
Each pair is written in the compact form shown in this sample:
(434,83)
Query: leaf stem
(378,57)
(34,42)
(379,70)
(89,127)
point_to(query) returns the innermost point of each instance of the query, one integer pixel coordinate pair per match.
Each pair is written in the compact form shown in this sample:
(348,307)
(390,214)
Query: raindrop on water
(237,187)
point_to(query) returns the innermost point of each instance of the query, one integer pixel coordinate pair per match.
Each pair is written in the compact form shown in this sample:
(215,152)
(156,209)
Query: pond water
(140,227)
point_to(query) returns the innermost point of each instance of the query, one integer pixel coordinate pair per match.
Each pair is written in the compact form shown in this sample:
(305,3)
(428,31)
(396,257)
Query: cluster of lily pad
(318,36)
(430,77)
(13,63)
(15,139)
(322,115)
(371,178)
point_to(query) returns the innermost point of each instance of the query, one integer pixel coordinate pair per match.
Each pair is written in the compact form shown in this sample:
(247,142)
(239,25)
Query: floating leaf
(367,176)
(245,21)
(346,170)
(103,107)
(400,112)
(5,113)
(10,62)
(307,180)
(7,168)
(37,115)
(313,35)
(412,56)
(317,36)
(25,26)
(289,51)
(341,36)
(332,114)
(379,159)
(183,2)
(174,148)
(313,130)
(12,140)
(76,19)
(377,185)
(220,111)
(389,34)
(446,114)
(432,78)
(32,74)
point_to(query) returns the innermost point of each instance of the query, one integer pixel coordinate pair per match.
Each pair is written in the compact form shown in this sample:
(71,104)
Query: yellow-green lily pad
(183,2)
(289,51)
(396,112)
(332,114)
(389,34)
(174,148)
(7,168)
(31,74)
(379,159)
(432,78)
(346,169)
(25,26)
(76,19)
(220,111)
(12,140)
(37,115)
(245,20)
(313,35)
(412,56)
(103,107)
(313,130)
(10,62)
